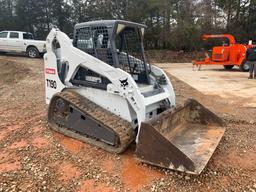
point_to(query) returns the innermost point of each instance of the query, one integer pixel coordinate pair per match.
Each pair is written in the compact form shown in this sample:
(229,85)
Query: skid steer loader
(101,90)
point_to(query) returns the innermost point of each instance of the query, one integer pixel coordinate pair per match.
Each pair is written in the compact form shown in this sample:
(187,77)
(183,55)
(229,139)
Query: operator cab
(117,43)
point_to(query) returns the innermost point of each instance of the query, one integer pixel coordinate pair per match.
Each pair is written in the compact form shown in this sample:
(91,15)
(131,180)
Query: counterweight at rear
(101,90)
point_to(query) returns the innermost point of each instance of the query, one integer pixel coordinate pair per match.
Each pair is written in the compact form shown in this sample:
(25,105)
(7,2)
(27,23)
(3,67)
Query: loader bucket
(182,139)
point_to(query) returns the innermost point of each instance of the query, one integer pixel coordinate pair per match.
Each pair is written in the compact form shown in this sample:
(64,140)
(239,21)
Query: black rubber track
(122,128)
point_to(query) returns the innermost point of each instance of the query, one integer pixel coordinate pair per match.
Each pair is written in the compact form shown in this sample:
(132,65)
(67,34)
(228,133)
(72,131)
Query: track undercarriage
(77,117)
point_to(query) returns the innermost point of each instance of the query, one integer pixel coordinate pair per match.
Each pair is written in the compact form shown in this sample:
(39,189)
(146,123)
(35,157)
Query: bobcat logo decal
(124,83)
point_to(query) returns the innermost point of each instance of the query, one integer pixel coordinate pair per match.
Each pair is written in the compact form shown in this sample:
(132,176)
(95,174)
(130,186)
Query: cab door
(3,41)
(15,42)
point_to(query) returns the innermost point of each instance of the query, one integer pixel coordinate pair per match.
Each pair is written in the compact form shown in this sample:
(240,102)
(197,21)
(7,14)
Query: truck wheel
(32,52)
(228,67)
(244,66)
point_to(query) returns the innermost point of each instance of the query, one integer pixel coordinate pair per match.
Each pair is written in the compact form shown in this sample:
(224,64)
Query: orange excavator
(230,55)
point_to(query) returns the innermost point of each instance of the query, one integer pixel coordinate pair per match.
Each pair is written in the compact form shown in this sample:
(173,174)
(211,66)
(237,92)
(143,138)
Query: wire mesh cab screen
(95,41)
(130,53)
(119,48)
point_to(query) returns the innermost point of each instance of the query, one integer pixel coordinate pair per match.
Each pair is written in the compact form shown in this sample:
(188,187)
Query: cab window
(3,34)
(14,35)
(84,39)
(27,36)
(92,38)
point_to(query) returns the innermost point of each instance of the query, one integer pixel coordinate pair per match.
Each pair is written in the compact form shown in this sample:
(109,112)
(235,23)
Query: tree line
(171,24)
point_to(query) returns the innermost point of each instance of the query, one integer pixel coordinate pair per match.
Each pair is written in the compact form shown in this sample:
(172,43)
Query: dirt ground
(34,158)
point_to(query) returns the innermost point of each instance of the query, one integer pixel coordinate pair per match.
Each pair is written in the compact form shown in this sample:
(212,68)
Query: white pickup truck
(21,42)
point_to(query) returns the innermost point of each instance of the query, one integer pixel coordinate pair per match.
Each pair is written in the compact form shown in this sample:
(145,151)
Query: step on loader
(101,90)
